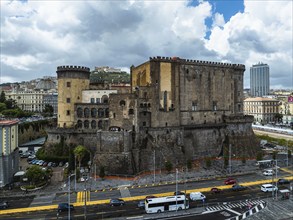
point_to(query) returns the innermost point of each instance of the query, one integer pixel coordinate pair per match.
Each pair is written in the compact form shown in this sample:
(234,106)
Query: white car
(268,172)
(268,188)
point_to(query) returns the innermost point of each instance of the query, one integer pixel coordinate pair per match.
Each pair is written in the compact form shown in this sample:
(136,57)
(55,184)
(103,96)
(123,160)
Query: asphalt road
(104,211)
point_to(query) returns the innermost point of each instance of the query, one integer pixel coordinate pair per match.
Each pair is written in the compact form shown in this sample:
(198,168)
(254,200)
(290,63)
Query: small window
(92,100)
(68,112)
(68,84)
(68,100)
(130,111)
(144,123)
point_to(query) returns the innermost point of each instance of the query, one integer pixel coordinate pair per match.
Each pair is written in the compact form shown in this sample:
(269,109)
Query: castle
(176,110)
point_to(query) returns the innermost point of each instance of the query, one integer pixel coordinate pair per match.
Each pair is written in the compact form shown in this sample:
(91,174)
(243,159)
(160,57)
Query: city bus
(169,203)
(265,163)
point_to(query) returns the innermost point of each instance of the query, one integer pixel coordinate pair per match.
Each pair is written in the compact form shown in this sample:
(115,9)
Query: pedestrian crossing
(82,196)
(225,206)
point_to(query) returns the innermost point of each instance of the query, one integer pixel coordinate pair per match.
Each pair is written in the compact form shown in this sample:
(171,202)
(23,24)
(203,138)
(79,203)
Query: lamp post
(230,164)
(154,166)
(85,198)
(276,179)
(69,195)
(176,187)
(75,173)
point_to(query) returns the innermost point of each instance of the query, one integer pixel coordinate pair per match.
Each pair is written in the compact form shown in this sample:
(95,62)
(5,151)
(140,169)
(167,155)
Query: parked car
(117,202)
(216,190)
(4,205)
(230,181)
(141,204)
(283,181)
(237,187)
(268,188)
(178,193)
(64,207)
(268,172)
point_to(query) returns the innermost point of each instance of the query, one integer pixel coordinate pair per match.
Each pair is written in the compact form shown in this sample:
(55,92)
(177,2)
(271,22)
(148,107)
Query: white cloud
(262,33)
(37,36)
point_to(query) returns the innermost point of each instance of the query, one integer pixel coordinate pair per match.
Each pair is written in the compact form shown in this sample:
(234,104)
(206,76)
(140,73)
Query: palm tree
(79,153)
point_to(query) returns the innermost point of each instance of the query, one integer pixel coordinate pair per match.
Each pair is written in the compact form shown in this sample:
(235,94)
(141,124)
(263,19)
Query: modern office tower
(259,80)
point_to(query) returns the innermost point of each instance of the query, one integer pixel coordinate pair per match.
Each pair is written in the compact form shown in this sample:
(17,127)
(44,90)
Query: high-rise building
(259,80)
(9,157)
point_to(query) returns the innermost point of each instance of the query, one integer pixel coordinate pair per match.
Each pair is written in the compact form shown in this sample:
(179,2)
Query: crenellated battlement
(198,62)
(73,69)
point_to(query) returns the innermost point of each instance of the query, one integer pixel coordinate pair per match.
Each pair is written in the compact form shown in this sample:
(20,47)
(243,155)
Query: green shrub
(168,166)
(208,162)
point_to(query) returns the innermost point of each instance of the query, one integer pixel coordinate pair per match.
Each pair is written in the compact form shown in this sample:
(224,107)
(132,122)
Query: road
(98,207)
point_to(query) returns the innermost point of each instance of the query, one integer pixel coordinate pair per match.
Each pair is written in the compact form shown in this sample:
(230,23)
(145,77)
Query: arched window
(100,124)
(94,112)
(122,103)
(107,112)
(86,124)
(79,124)
(101,113)
(79,112)
(94,124)
(104,99)
(86,112)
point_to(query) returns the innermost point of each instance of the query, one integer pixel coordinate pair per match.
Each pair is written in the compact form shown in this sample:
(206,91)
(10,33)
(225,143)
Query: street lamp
(75,173)
(69,195)
(176,187)
(154,166)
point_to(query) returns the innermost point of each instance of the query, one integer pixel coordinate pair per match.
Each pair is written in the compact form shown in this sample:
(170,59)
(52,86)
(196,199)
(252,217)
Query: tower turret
(72,80)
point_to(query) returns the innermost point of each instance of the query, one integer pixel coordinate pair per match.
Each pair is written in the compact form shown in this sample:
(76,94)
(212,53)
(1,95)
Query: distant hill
(109,77)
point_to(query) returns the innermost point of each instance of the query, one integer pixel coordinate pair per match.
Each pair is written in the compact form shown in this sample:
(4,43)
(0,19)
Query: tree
(2,107)
(189,164)
(80,152)
(168,166)
(35,174)
(278,117)
(102,172)
(2,97)
(208,162)
(10,104)
(48,110)
(259,156)
(274,155)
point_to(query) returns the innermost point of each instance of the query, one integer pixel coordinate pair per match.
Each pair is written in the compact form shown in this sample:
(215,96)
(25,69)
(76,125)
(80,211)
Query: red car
(230,181)
(215,190)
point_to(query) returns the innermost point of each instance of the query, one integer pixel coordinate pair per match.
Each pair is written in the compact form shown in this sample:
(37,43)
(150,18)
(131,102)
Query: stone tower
(72,80)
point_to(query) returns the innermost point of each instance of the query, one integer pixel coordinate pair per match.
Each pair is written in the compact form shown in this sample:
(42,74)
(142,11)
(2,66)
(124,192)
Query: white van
(268,188)
(197,196)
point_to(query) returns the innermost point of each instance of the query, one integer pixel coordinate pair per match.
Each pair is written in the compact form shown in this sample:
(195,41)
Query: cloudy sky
(37,36)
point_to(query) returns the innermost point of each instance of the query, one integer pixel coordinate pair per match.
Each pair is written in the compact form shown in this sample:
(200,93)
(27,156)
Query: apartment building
(263,109)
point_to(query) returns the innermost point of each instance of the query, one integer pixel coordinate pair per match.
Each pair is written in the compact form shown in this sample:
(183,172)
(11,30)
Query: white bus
(169,203)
